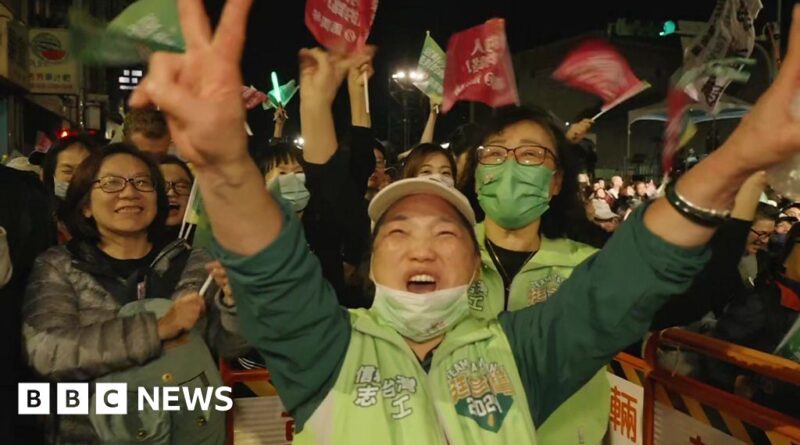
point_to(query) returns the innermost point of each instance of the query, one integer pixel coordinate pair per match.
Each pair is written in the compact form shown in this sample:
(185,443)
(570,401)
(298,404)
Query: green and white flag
(142,28)
(432,62)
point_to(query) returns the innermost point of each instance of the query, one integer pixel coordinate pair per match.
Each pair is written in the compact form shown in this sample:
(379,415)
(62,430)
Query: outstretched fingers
(162,88)
(232,29)
(194,23)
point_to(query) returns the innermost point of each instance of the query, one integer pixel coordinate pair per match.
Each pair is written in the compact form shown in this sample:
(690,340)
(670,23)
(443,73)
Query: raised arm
(203,105)
(713,183)
(561,343)
(280,120)
(286,310)
(321,74)
(430,126)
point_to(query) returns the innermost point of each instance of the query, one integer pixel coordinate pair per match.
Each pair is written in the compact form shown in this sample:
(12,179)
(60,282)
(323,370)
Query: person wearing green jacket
(527,185)
(417,367)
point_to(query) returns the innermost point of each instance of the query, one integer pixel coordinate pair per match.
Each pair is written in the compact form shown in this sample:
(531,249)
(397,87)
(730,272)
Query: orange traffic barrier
(729,413)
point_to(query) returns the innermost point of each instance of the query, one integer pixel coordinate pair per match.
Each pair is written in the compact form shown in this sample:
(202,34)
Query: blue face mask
(292,188)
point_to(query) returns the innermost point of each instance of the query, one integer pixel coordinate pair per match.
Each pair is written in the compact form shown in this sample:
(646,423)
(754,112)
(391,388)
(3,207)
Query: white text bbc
(112,398)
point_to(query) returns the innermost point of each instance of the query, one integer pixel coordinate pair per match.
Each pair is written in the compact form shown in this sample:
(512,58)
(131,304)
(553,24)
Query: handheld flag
(729,33)
(597,68)
(340,25)
(679,129)
(479,67)
(281,96)
(431,64)
(142,28)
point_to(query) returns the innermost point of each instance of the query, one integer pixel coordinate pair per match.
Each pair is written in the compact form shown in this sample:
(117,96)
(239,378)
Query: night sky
(277,31)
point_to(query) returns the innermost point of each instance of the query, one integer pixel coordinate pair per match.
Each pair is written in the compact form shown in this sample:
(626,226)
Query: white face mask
(60,188)
(447,180)
(421,317)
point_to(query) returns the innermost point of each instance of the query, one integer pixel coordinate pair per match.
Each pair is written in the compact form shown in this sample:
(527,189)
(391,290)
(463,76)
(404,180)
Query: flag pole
(188,208)
(366,90)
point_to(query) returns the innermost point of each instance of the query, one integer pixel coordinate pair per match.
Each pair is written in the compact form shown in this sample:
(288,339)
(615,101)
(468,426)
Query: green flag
(432,62)
(287,92)
(142,28)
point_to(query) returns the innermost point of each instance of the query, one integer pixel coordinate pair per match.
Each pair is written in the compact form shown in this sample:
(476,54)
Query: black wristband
(698,215)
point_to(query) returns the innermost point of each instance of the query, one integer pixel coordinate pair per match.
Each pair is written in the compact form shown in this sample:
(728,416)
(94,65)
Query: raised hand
(200,91)
(578,130)
(322,72)
(770,133)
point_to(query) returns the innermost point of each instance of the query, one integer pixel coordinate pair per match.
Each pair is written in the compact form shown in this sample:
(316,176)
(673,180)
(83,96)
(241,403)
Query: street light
(404,79)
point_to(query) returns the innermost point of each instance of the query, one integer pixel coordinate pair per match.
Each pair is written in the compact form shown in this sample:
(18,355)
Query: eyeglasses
(116,184)
(761,235)
(530,155)
(181,188)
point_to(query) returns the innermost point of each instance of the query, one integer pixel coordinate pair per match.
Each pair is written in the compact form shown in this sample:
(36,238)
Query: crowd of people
(469,294)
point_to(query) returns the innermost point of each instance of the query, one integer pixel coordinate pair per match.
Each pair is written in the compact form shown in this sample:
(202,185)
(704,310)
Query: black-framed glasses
(529,154)
(181,188)
(761,235)
(116,184)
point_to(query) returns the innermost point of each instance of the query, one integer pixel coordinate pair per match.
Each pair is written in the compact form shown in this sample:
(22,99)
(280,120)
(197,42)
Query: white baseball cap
(422,185)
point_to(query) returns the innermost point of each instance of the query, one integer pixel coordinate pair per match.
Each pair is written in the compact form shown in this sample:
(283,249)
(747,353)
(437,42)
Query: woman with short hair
(109,306)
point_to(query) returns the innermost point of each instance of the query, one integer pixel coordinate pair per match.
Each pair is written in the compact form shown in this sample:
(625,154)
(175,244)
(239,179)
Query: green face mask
(513,195)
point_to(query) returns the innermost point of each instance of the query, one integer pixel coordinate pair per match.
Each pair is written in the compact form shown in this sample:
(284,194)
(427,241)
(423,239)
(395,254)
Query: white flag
(729,33)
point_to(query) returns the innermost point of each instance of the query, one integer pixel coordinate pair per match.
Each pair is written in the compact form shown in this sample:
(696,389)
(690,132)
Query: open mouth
(129,210)
(174,207)
(421,284)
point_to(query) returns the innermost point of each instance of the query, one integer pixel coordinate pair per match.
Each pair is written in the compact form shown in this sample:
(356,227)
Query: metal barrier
(739,419)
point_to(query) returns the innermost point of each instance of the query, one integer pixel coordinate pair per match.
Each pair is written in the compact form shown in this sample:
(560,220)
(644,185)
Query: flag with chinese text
(729,33)
(340,25)
(479,67)
(597,68)
(432,62)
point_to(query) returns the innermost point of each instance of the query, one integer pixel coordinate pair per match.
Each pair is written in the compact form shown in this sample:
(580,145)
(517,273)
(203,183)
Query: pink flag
(597,68)
(341,25)
(479,67)
(252,97)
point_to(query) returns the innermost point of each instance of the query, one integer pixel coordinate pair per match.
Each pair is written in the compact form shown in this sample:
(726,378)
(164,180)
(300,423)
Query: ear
(556,183)
(87,211)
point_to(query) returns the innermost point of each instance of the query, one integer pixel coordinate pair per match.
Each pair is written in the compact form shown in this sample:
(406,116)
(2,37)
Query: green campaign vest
(189,365)
(583,418)
(473,394)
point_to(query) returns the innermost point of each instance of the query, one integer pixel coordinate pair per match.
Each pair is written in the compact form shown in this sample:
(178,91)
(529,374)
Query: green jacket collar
(470,330)
(560,252)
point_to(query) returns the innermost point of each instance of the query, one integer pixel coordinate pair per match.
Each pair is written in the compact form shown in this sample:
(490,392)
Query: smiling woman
(142,299)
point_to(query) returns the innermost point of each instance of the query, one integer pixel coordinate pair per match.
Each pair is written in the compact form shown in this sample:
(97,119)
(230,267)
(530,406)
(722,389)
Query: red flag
(479,67)
(597,68)
(341,25)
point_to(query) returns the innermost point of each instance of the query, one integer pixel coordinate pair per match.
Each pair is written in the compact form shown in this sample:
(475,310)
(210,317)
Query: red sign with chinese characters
(597,68)
(479,67)
(341,25)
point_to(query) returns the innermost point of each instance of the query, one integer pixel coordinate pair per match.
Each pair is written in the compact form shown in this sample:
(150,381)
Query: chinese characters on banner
(597,68)
(432,61)
(729,33)
(52,68)
(479,67)
(627,408)
(673,427)
(341,25)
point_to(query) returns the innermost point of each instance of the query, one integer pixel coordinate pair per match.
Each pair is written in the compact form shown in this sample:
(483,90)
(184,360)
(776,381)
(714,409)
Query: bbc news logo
(112,398)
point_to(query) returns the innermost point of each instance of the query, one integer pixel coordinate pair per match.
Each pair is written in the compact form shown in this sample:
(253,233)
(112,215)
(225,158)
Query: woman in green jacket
(417,368)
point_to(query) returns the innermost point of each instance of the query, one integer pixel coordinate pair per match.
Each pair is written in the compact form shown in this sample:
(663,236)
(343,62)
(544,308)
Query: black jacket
(336,223)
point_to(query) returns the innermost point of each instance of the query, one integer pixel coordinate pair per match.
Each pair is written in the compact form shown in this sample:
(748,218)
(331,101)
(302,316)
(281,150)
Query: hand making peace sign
(199,91)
